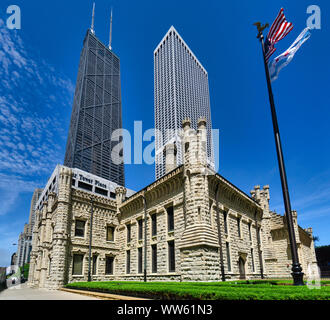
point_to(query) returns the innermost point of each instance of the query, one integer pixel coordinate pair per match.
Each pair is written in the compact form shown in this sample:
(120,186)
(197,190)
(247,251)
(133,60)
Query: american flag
(279,29)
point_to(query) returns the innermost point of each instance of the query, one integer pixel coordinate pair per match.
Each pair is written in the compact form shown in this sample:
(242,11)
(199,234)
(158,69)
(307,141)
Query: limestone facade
(199,227)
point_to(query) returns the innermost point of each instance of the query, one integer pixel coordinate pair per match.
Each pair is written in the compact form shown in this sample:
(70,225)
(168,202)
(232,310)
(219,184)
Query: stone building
(199,227)
(24,246)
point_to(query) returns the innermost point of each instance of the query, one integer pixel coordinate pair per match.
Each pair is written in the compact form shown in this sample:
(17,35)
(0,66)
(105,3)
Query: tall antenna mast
(110,41)
(93,16)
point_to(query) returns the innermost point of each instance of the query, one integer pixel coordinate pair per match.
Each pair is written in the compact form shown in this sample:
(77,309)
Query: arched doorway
(241,267)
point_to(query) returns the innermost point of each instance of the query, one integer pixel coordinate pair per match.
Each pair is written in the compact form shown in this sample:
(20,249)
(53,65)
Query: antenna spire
(110,41)
(93,16)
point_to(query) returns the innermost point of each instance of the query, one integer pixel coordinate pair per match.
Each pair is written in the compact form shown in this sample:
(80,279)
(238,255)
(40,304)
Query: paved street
(22,292)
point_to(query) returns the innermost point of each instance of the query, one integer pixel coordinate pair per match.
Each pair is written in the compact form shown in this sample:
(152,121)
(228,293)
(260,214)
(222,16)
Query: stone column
(42,245)
(61,236)
(33,256)
(48,240)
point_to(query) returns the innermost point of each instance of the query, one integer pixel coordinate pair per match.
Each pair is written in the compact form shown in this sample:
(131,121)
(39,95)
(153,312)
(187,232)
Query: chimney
(170,152)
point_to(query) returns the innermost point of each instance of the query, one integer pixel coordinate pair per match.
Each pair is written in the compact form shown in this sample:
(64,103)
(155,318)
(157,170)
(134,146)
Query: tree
(316,238)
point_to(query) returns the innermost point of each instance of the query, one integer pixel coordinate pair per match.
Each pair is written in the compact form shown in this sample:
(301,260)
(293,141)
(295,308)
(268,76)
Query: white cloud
(31,133)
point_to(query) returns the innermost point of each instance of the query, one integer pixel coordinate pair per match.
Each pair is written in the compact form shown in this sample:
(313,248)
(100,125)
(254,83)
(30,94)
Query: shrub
(238,290)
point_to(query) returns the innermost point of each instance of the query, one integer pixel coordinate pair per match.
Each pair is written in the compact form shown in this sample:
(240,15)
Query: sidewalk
(23,292)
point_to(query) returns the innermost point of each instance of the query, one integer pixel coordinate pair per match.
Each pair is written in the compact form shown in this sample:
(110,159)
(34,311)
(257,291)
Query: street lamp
(90,242)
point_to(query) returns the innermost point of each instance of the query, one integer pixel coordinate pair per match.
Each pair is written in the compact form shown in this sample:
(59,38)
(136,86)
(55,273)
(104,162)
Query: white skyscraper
(181,91)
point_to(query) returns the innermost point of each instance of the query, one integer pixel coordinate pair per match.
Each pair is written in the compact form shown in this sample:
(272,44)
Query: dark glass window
(77,264)
(101,191)
(85,186)
(225,214)
(171,256)
(228,256)
(109,265)
(128,261)
(128,233)
(79,228)
(258,234)
(239,227)
(252,260)
(140,259)
(154,224)
(250,235)
(94,264)
(110,233)
(154,258)
(140,222)
(170,218)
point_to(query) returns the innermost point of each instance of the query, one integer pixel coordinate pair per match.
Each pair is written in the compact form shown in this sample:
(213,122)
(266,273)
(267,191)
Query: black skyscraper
(96,112)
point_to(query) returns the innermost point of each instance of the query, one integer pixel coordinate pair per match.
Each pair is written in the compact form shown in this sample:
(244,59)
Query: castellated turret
(194,145)
(120,195)
(262,197)
(196,186)
(170,153)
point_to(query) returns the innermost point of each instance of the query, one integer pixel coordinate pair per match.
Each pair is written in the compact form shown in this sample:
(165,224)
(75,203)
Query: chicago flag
(285,58)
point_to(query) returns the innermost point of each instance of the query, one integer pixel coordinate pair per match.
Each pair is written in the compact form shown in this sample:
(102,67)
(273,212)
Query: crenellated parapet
(262,197)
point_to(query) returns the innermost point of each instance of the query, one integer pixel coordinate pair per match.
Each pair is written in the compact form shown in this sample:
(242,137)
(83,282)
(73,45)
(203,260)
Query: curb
(103,296)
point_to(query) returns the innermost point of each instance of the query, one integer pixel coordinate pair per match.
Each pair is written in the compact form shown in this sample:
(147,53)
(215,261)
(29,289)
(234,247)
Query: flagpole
(297,273)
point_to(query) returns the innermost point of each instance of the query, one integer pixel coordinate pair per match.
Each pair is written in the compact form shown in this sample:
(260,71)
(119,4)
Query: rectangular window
(252,260)
(140,259)
(49,267)
(110,233)
(225,221)
(239,227)
(101,191)
(128,233)
(170,218)
(228,257)
(171,256)
(77,264)
(154,258)
(250,235)
(85,186)
(94,264)
(140,222)
(154,224)
(258,234)
(79,228)
(109,265)
(128,261)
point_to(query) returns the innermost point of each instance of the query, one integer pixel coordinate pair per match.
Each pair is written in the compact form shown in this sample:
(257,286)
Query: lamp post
(297,273)
(90,242)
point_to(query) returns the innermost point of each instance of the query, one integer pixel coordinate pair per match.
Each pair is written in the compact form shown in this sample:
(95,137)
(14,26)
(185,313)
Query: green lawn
(231,290)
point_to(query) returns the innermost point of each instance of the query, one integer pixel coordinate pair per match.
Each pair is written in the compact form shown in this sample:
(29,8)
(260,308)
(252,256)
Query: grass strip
(233,290)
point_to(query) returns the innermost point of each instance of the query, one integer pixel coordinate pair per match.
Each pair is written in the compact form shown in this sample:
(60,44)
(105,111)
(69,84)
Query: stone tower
(199,242)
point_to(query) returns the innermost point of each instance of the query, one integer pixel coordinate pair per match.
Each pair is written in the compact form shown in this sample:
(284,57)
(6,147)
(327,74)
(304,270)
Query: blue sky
(38,69)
